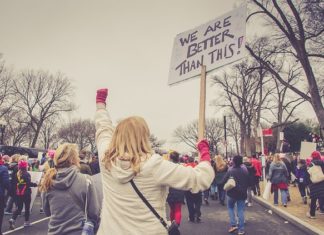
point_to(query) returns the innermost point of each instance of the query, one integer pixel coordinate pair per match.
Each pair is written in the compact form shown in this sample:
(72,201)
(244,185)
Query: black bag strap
(162,221)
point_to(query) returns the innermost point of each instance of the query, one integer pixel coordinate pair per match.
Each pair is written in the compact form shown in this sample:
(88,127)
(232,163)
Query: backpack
(21,186)
(316,174)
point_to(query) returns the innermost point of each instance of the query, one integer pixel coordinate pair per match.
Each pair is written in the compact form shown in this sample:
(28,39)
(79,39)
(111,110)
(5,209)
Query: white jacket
(123,212)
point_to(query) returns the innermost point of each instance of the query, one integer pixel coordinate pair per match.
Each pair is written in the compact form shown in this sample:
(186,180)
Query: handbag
(173,229)
(267,191)
(316,174)
(230,184)
(87,225)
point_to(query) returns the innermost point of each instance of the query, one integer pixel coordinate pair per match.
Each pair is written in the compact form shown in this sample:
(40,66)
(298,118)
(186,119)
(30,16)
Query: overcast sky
(123,45)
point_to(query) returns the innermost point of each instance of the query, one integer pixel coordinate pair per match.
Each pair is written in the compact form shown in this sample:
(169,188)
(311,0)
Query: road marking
(21,227)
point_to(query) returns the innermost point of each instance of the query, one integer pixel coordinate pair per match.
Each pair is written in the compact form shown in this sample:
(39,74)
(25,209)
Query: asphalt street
(214,221)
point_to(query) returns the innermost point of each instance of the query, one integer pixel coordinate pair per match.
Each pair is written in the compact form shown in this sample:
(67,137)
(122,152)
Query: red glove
(101,95)
(203,148)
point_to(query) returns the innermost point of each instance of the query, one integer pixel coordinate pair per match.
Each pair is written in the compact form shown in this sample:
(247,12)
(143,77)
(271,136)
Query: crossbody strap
(162,221)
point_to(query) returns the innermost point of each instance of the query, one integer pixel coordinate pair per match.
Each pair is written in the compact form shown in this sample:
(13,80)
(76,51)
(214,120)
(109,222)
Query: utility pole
(225,137)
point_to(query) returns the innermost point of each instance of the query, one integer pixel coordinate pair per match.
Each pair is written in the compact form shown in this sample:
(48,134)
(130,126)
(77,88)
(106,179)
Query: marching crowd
(138,184)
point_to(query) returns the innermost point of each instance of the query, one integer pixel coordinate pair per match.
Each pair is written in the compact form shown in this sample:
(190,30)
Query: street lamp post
(2,129)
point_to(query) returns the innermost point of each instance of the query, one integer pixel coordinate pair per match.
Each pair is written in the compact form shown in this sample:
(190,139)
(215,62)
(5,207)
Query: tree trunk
(34,141)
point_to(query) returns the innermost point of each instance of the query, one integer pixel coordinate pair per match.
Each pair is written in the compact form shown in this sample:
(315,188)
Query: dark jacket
(13,169)
(95,169)
(252,171)
(241,178)
(278,173)
(26,179)
(317,190)
(4,180)
(301,175)
(175,196)
(85,168)
(288,166)
(219,175)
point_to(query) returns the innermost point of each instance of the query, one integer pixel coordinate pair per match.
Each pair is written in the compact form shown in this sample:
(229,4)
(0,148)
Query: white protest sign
(35,178)
(306,149)
(214,44)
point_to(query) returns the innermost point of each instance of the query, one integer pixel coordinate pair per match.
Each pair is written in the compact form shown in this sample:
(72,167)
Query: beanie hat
(51,153)
(22,164)
(5,158)
(316,155)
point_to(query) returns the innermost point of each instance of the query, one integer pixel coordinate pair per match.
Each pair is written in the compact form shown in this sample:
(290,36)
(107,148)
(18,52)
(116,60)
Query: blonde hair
(129,142)
(15,158)
(66,155)
(276,158)
(220,164)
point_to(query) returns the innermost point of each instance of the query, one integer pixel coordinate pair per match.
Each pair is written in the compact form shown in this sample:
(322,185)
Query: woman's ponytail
(47,181)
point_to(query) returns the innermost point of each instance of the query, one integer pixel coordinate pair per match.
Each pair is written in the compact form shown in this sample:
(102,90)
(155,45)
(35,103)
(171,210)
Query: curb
(306,227)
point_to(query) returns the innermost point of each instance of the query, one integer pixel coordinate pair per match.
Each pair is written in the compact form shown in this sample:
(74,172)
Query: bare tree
(41,95)
(188,134)
(242,96)
(233,127)
(16,128)
(156,143)
(48,135)
(5,88)
(80,132)
(298,30)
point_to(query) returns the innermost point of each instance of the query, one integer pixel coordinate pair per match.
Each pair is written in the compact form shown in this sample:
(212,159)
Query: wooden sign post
(202,104)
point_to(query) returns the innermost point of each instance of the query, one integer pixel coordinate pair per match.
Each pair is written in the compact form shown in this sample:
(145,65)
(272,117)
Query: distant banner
(267,132)
(214,44)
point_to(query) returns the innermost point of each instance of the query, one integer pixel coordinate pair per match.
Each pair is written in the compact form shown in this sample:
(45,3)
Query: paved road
(214,221)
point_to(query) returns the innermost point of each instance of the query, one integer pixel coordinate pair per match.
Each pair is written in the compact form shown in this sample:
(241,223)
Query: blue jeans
(284,194)
(213,189)
(240,206)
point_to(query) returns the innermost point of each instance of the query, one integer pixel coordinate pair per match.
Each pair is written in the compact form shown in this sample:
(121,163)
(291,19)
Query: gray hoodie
(66,210)
(278,173)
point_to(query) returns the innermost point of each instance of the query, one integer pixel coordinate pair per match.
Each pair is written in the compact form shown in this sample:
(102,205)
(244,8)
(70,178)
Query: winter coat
(219,175)
(252,172)
(95,169)
(4,180)
(301,175)
(258,166)
(278,173)
(316,190)
(65,202)
(175,195)
(13,169)
(241,178)
(25,178)
(123,211)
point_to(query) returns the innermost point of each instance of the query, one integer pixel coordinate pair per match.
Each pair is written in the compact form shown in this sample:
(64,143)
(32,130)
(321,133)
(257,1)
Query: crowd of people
(138,184)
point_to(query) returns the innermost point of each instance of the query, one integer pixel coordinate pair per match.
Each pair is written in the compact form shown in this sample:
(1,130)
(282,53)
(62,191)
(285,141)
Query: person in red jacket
(258,172)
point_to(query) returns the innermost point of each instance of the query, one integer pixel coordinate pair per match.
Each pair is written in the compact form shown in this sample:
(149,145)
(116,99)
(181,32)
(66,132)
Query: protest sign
(214,44)
(306,149)
(35,178)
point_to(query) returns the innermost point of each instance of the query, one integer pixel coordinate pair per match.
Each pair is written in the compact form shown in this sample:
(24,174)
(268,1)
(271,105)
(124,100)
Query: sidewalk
(296,211)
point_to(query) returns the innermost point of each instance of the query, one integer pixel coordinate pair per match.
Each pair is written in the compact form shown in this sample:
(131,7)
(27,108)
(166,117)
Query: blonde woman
(65,192)
(220,171)
(278,175)
(125,154)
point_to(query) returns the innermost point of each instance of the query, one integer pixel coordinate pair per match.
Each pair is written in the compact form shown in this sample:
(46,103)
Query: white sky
(123,45)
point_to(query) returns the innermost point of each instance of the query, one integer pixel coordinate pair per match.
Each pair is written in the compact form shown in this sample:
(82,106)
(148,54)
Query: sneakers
(206,201)
(198,220)
(27,224)
(8,213)
(310,216)
(305,200)
(191,220)
(321,212)
(41,211)
(249,204)
(241,233)
(285,205)
(232,229)
(11,224)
